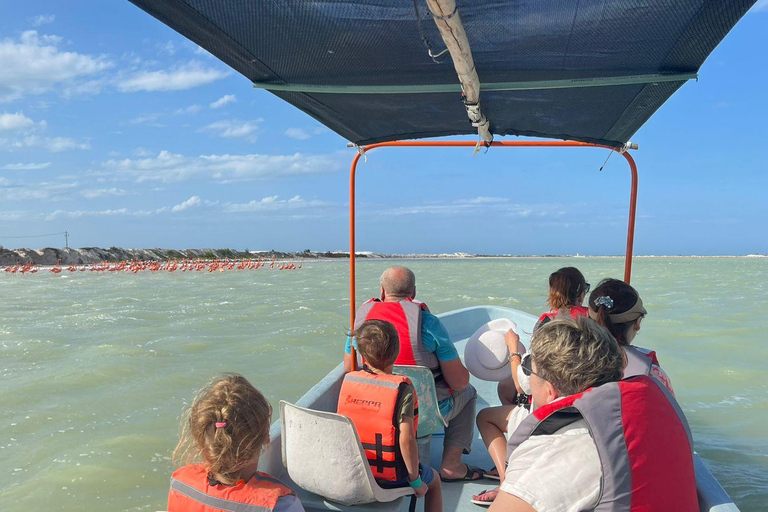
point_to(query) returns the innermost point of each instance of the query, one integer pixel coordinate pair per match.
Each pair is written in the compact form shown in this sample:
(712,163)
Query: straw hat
(486,355)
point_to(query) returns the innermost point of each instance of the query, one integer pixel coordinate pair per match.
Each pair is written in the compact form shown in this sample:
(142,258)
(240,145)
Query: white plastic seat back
(323,455)
(430,419)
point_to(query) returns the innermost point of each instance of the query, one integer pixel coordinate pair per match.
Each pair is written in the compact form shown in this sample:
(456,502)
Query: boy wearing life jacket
(384,409)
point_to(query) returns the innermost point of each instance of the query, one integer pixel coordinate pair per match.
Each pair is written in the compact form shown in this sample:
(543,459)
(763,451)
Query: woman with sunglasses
(567,290)
(618,307)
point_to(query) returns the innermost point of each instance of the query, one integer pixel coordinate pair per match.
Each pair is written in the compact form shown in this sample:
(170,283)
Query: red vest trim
(192,492)
(369,401)
(576,311)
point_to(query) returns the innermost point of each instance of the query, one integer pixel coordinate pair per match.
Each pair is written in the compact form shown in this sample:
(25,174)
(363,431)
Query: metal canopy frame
(538,85)
(362,150)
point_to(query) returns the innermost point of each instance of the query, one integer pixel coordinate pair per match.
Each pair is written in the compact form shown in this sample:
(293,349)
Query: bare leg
(507,392)
(433,501)
(492,424)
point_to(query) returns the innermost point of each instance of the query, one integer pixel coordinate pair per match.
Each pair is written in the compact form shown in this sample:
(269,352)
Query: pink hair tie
(221,424)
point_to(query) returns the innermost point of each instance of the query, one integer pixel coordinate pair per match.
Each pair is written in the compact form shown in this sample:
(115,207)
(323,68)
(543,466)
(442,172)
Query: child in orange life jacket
(221,440)
(384,409)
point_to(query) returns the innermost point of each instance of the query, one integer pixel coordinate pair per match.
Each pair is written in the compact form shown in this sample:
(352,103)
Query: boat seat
(430,419)
(323,455)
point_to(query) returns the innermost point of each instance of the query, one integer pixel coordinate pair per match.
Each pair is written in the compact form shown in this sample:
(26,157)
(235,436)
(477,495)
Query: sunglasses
(527,366)
(587,286)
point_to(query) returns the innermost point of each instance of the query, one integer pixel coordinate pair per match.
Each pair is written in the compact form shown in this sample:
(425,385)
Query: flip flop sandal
(484,502)
(469,477)
(493,477)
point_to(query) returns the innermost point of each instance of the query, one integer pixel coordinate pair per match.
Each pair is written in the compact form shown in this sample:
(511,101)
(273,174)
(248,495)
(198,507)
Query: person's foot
(485,498)
(470,473)
(493,474)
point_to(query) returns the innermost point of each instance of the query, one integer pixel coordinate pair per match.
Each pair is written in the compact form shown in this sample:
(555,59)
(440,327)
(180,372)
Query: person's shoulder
(288,503)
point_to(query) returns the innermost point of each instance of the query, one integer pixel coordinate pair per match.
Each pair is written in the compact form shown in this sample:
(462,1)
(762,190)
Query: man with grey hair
(593,441)
(425,342)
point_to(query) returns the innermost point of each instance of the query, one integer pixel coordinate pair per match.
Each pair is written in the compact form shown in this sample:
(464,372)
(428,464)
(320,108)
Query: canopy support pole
(535,143)
(454,36)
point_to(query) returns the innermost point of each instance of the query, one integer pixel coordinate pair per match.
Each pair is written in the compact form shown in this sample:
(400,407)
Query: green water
(95,368)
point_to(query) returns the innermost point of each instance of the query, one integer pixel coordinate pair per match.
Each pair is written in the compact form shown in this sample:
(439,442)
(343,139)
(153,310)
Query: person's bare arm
(347,362)
(506,502)
(455,374)
(410,451)
(513,344)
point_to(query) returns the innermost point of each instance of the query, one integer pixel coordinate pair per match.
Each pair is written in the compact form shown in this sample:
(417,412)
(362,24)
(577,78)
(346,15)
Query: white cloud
(189,203)
(93,193)
(167,49)
(483,200)
(24,191)
(187,76)
(42,19)
(85,213)
(168,167)
(192,109)
(224,100)
(234,129)
(153,118)
(17,121)
(26,167)
(297,134)
(34,64)
(52,144)
(274,203)
(479,205)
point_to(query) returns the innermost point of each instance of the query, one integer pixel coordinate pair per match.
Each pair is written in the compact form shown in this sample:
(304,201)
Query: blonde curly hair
(243,417)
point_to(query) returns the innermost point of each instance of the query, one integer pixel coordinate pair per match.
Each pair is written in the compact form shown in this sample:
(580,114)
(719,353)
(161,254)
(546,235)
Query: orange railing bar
(533,143)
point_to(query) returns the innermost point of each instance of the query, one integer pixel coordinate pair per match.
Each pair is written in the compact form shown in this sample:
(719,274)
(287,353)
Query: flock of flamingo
(136,266)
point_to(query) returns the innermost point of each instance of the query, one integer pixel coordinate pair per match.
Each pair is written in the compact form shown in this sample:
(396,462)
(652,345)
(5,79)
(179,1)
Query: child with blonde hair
(222,437)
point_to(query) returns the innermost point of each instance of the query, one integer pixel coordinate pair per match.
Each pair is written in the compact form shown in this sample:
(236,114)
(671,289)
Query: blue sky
(118,130)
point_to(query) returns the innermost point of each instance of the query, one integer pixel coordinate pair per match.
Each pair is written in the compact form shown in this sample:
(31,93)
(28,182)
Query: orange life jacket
(191,491)
(369,400)
(575,312)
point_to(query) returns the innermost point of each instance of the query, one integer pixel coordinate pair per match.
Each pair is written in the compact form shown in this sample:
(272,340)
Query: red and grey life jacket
(405,315)
(642,438)
(575,311)
(192,491)
(639,361)
(369,400)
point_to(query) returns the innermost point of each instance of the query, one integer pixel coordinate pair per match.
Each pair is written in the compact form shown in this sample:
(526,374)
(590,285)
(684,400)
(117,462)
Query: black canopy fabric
(586,70)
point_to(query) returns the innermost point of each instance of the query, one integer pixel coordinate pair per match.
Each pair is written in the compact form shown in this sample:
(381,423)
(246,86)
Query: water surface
(95,368)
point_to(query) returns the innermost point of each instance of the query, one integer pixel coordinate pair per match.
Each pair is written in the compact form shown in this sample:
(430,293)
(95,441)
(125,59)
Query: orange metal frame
(442,144)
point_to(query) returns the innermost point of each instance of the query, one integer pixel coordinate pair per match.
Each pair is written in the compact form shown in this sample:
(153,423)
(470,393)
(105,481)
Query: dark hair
(623,297)
(565,286)
(378,343)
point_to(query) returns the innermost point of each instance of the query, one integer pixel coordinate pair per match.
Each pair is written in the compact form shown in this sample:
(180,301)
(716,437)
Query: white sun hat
(486,355)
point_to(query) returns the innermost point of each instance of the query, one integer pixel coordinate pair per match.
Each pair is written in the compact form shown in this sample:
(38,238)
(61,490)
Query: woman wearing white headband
(618,307)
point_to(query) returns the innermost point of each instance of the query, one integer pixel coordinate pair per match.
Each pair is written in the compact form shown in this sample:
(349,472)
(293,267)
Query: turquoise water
(95,369)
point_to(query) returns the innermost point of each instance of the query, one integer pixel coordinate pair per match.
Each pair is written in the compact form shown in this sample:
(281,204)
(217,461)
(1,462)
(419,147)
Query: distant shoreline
(87,255)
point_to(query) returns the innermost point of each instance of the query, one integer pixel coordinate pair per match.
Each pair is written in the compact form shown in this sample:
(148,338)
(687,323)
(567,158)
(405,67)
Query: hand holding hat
(487,352)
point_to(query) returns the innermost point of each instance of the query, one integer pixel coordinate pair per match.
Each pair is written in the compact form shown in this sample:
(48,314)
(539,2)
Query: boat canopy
(378,70)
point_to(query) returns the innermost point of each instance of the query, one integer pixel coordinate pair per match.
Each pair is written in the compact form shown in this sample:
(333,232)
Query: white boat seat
(430,419)
(323,455)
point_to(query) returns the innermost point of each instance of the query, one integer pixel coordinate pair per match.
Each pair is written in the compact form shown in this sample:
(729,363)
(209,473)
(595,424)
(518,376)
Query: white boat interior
(456,496)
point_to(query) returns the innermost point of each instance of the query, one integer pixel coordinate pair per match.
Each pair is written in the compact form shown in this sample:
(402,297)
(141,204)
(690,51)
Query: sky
(119,131)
